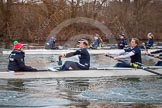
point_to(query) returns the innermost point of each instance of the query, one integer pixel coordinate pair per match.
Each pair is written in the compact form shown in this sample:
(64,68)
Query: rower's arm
(126,55)
(116,52)
(77,52)
(69,54)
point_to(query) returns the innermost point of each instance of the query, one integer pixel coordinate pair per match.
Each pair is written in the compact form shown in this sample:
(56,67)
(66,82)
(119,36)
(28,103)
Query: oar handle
(130,64)
(133,65)
(109,56)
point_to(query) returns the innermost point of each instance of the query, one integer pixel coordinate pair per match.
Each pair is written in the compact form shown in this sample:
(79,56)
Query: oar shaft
(118,59)
(152,71)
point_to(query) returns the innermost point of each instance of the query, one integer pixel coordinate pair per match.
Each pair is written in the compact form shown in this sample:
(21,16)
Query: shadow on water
(134,79)
(143,92)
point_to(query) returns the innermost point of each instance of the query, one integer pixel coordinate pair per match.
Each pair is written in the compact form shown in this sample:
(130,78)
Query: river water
(107,92)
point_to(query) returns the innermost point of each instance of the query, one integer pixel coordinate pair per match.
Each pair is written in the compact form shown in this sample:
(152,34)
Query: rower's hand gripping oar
(59,61)
(134,65)
(56,68)
(130,64)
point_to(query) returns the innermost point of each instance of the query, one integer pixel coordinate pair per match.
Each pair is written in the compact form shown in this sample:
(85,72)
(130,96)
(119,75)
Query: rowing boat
(45,51)
(97,73)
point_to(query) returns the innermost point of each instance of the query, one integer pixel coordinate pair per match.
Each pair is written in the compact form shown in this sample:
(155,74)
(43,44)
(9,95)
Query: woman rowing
(84,58)
(149,43)
(96,42)
(122,41)
(133,52)
(50,43)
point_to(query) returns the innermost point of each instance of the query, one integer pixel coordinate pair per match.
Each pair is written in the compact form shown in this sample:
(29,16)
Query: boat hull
(77,74)
(45,51)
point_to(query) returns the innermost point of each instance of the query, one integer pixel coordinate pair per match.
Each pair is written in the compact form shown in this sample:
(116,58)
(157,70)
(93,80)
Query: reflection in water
(15,85)
(30,94)
(102,92)
(128,90)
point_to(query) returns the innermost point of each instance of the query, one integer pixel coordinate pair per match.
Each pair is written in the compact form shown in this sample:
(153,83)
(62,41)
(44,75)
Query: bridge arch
(90,21)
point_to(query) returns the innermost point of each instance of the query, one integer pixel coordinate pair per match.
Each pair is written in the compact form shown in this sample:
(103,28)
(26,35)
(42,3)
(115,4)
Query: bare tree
(35,19)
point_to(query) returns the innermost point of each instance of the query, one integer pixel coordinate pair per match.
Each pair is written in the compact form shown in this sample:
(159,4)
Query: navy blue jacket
(50,44)
(95,44)
(84,58)
(16,62)
(122,43)
(149,43)
(137,57)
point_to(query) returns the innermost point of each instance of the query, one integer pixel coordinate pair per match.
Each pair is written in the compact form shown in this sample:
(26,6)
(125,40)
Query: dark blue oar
(134,65)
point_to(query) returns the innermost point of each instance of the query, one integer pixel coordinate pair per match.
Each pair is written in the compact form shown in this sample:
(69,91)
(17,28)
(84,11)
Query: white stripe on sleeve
(116,52)
(127,55)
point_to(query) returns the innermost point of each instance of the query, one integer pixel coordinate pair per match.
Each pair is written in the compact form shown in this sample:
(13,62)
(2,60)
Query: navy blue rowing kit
(50,44)
(95,44)
(149,43)
(84,60)
(16,62)
(134,54)
(137,54)
(122,43)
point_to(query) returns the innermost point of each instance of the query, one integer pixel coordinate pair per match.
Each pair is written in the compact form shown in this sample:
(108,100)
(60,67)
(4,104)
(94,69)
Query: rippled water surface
(107,92)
